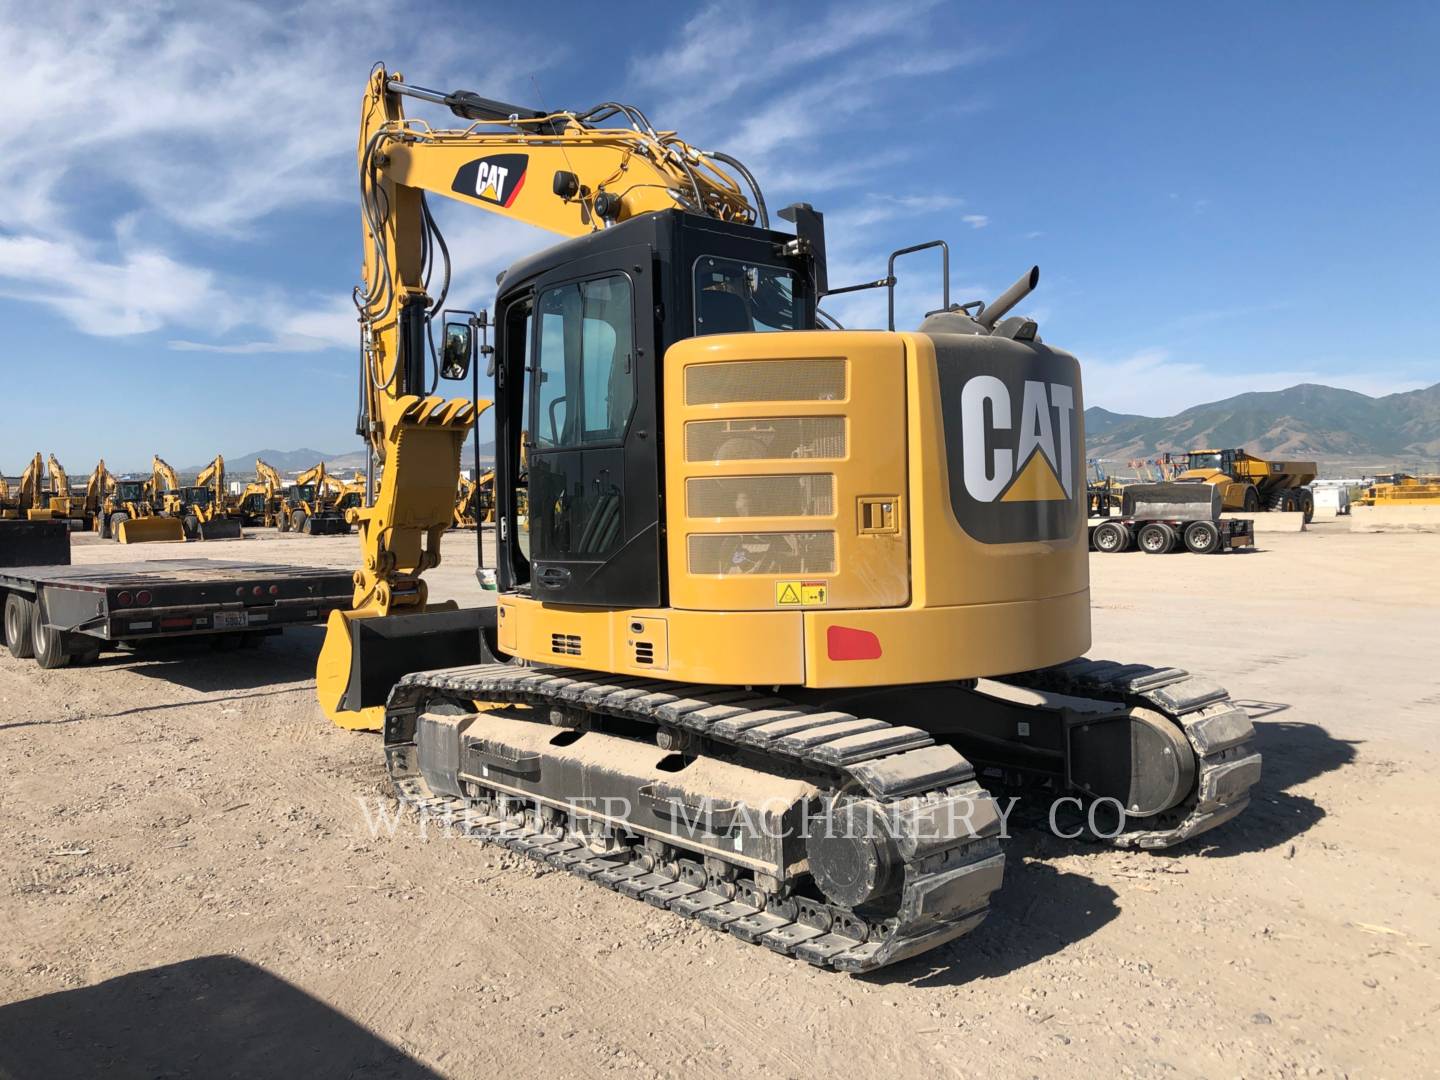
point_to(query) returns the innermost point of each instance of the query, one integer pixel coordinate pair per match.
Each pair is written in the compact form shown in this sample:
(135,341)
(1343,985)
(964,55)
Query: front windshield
(200,496)
(129,491)
(732,296)
(305,492)
(1205,460)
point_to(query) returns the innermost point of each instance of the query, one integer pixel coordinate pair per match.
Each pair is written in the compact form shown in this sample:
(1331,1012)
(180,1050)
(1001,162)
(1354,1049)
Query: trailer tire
(1202,537)
(298,521)
(1111,537)
(88,656)
(17,626)
(1156,538)
(49,647)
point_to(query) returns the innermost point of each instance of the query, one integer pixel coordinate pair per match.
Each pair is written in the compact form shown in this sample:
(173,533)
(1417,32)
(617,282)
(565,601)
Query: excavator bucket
(1185,501)
(220,529)
(151,530)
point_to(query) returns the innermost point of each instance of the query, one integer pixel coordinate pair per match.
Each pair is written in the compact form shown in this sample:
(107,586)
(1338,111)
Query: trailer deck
(98,606)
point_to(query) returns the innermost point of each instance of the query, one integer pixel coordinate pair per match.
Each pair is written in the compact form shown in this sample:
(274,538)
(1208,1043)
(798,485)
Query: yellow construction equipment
(156,516)
(475,500)
(8,508)
(31,501)
(308,505)
(1251,484)
(784,596)
(205,508)
(1402,489)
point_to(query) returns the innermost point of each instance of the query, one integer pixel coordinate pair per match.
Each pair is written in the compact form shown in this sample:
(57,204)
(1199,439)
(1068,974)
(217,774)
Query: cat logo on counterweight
(1012,444)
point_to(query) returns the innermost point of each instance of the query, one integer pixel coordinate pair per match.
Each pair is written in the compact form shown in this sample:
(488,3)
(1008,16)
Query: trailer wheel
(1110,537)
(1156,538)
(88,656)
(49,648)
(298,521)
(1202,537)
(17,626)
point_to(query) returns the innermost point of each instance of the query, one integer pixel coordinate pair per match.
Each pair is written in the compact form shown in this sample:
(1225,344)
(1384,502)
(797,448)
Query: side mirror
(458,349)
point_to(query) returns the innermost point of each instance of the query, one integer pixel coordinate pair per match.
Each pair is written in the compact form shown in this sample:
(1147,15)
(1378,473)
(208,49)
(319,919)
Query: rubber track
(947,879)
(1228,765)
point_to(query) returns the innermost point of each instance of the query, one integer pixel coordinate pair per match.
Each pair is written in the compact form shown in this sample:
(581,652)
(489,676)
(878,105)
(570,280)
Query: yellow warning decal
(802,593)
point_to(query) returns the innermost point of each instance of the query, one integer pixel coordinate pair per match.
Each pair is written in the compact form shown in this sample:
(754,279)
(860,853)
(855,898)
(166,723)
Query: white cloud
(975,221)
(136,133)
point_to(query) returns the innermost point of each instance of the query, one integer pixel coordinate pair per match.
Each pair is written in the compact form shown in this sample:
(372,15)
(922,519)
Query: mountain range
(1305,421)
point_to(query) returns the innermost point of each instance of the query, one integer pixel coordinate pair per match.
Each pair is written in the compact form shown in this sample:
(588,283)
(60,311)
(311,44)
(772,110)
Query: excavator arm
(567,172)
(59,481)
(32,484)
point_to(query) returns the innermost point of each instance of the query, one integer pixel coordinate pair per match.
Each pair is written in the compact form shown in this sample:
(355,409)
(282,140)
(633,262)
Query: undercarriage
(850,829)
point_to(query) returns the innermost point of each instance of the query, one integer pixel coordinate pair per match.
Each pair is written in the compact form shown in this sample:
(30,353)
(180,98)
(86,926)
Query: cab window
(585,389)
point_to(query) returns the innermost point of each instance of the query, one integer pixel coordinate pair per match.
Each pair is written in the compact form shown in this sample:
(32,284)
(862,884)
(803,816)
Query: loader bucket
(1185,501)
(34,543)
(220,529)
(151,530)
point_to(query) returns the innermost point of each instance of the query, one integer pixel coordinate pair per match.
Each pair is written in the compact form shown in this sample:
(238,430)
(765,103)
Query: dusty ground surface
(191,888)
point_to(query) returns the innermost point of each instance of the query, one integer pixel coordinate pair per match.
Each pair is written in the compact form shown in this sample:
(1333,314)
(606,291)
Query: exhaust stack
(1009,298)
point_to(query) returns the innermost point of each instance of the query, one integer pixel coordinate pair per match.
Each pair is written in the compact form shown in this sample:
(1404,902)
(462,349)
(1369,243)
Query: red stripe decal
(846,643)
(516,189)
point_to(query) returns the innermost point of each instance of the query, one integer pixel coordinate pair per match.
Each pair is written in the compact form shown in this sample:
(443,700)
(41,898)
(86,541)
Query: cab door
(591,435)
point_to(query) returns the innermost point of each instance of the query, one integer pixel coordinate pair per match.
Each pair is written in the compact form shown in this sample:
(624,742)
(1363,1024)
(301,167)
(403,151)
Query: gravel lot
(191,886)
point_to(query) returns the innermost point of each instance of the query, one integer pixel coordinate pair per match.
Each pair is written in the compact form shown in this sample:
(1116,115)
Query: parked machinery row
(162,507)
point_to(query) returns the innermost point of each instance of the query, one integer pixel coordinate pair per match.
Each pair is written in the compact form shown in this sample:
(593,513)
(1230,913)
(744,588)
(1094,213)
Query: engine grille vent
(807,495)
(781,439)
(644,652)
(765,380)
(762,553)
(565,644)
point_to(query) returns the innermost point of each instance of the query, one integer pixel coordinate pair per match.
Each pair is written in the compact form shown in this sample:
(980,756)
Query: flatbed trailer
(1159,535)
(63,612)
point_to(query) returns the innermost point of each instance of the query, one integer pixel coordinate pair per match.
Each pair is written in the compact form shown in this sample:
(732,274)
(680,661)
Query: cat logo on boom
(1012,438)
(495,179)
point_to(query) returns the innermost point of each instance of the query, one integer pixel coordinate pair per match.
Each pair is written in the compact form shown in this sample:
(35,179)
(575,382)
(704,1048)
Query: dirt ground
(191,886)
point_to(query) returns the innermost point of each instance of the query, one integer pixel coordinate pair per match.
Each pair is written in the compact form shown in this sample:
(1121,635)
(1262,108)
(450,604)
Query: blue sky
(1221,197)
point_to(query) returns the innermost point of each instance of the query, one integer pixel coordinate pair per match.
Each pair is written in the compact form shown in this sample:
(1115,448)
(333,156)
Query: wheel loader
(309,504)
(796,604)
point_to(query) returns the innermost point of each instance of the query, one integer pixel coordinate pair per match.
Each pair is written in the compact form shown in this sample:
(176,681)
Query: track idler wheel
(1138,758)
(852,853)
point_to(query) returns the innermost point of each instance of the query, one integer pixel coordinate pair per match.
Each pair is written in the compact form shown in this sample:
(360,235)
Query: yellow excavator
(259,503)
(98,486)
(475,500)
(308,505)
(205,508)
(8,509)
(795,603)
(31,502)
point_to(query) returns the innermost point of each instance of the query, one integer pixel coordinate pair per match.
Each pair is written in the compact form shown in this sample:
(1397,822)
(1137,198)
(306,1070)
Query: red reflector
(274,590)
(178,622)
(846,643)
(256,591)
(123,599)
(142,597)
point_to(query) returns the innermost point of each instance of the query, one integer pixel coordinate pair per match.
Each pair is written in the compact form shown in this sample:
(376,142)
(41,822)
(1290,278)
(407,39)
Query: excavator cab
(581,335)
